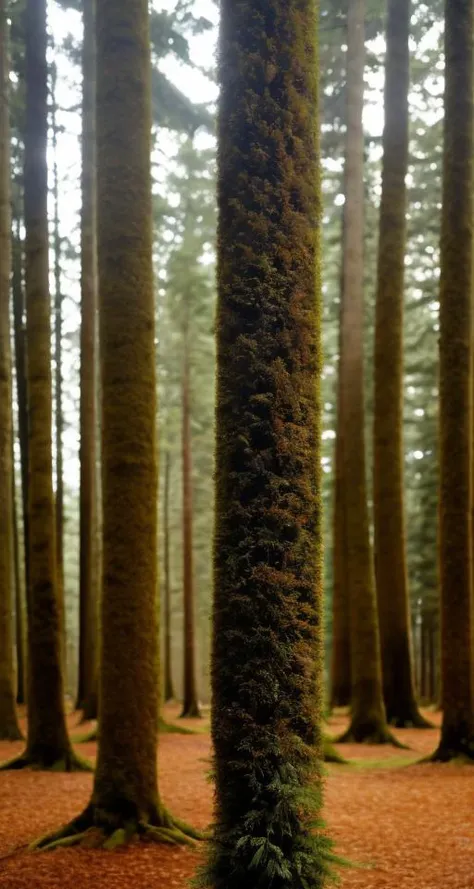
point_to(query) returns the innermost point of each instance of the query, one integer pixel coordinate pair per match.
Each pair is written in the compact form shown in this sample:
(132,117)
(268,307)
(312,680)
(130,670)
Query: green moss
(455,387)
(267,628)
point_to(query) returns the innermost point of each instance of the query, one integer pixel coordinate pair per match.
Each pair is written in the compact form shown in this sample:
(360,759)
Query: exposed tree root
(69,763)
(94,830)
(415,720)
(330,754)
(463,754)
(190,711)
(370,735)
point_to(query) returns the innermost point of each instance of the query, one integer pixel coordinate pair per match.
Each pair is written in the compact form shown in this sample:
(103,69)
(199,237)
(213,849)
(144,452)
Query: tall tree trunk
(168,690)
(267,644)
(58,380)
(190,698)
(48,745)
(125,799)
(368,712)
(341,641)
(389,518)
(457,731)
(19,606)
(88,592)
(9,728)
(19,326)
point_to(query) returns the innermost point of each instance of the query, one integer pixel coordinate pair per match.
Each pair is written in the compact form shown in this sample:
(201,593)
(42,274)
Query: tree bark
(48,745)
(88,563)
(19,598)
(168,690)
(58,381)
(19,326)
(125,800)
(389,513)
(267,644)
(368,721)
(190,697)
(9,728)
(455,344)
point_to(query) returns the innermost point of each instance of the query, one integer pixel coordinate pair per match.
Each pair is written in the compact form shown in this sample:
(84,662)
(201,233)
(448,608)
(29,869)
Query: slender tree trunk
(368,721)
(48,744)
(267,645)
(168,690)
(190,698)
(389,518)
(424,662)
(19,607)
(457,732)
(88,593)
(58,378)
(125,799)
(9,728)
(19,310)
(341,643)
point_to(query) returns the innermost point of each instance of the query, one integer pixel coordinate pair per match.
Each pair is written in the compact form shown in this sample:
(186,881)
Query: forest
(236,444)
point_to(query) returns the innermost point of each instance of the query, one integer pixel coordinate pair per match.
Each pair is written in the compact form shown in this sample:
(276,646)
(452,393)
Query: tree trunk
(125,799)
(88,584)
(341,642)
(19,311)
(190,698)
(58,378)
(168,690)
(267,644)
(457,731)
(368,721)
(48,745)
(389,517)
(19,607)
(9,728)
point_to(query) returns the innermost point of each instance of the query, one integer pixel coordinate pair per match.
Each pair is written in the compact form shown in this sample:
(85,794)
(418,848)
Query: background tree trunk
(457,732)
(9,728)
(88,583)
(389,517)
(168,690)
(190,697)
(368,711)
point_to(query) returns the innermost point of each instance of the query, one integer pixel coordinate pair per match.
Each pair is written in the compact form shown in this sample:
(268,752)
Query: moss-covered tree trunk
(190,696)
(9,728)
(168,689)
(457,732)
(125,800)
(48,744)
(368,721)
(389,518)
(340,695)
(266,661)
(88,554)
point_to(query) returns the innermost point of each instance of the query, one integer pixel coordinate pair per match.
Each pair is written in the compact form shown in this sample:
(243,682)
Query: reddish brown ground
(406,826)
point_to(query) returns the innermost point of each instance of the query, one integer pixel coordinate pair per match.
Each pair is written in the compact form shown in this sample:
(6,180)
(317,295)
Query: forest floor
(404,825)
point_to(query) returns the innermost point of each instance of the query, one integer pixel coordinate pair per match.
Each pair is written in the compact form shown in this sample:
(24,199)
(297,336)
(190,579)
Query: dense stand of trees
(146,325)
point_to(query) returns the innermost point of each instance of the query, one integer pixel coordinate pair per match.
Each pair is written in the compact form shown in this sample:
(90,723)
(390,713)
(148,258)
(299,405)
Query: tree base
(70,762)
(98,829)
(88,738)
(190,711)
(370,734)
(411,720)
(460,753)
